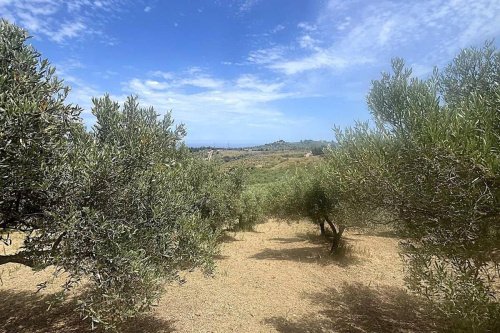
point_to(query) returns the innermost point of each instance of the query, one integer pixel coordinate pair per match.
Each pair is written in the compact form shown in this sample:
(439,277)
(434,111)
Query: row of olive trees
(430,164)
(121,208)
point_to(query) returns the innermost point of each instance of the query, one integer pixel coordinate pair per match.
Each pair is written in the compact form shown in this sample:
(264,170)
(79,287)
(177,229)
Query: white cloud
(202,82)
(307,26)
(344,24)
(155,85)
(164,75)
(194,77)
(57,20)
(322,58)
(386,32)
(252,82)
(242,100)
(68,30)
(348,34)
(247,5)
(307,42)
(277,28)
(147,9)
(266,56)
(81,92)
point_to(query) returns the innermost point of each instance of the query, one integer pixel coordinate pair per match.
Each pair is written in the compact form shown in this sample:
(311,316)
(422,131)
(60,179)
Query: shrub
(251,210)
(318,151)
(432,164)
(122,208)
(36,131)
(309,194)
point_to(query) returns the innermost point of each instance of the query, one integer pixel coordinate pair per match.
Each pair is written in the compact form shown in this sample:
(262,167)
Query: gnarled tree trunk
(322,228)
(337,233)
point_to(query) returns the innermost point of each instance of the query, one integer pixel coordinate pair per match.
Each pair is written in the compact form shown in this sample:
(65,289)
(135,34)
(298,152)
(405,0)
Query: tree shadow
(288,240)
(221,257)
(320,254)
(27,312)
(318,239)
(227,238)
(314,255)
(360,308)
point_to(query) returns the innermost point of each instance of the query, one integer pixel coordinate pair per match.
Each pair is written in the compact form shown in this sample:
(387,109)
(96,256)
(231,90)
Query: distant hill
(282,145)
(316,147)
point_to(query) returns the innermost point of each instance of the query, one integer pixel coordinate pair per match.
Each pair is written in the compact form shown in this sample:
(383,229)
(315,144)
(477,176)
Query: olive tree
(145,209)
(309,194)
(36,132)
(120,209)
(432,162)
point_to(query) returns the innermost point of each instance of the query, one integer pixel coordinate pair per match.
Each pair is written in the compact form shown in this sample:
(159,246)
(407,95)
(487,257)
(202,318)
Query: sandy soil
(280,278)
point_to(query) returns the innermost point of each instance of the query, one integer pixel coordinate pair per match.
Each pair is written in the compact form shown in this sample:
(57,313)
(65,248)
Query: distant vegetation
(304,145)
(315,146)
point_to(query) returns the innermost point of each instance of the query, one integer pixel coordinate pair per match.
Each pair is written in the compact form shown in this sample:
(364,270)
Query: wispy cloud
(243,95)
(336,40)
(247,5)
(267,56)
(319,64)
(59,21)
(197,98)
(321,58)
(81,91)
(68,30)
(202,102)
(307,26)
(278,28)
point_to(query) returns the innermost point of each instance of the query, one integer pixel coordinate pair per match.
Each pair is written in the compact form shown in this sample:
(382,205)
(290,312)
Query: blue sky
(242,72)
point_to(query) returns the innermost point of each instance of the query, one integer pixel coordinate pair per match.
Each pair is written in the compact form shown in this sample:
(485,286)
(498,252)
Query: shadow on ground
(319,254)
(221,257)
(312,238)
(288,240)
(226,237)
(359,308)
(27,312)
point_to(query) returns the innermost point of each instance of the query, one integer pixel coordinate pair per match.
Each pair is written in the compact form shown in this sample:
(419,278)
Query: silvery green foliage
(146,209)
(251,210)
(432,162)
(122,208)
(305,194)
(36,131)
(311,193)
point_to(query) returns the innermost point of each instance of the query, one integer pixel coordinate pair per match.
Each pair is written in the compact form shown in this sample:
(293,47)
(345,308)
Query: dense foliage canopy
(441,177)
(430,166)
(120,208)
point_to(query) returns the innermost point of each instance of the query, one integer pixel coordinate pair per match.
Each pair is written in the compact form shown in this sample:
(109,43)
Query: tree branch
(57,242)
(18,258)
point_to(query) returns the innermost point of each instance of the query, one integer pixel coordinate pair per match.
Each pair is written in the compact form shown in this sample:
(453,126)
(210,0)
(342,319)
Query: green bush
(432,164)
(122,208)
(251,210)
(311,194)
(36,131)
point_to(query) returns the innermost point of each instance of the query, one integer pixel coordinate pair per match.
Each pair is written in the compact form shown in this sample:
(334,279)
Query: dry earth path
(279,278)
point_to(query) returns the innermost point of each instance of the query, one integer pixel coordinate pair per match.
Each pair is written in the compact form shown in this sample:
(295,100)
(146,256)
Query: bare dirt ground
(280,278)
